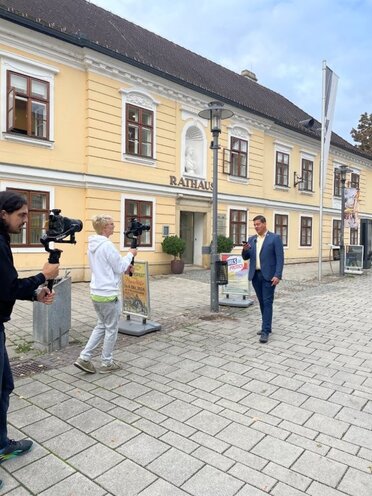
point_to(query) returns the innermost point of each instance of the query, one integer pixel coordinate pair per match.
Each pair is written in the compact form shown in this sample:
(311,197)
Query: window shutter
(11,109)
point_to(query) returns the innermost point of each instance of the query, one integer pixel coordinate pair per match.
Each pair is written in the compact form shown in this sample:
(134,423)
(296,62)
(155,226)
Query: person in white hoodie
(107,266)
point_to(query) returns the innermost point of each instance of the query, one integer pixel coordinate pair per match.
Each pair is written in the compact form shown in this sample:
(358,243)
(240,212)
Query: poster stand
(237,291)
(137,327)
(354,259)
(136,303)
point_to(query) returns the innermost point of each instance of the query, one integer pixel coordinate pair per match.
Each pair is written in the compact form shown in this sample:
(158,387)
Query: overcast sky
(282,41)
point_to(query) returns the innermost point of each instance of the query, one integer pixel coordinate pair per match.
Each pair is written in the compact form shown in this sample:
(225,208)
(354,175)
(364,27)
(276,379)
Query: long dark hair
(10,202)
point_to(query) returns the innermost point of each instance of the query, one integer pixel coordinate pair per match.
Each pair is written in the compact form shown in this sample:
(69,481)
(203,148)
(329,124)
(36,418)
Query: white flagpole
(321,173)
(330,80)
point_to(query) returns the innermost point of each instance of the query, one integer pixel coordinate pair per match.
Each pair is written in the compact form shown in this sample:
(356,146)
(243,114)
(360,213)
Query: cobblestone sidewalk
(201,408)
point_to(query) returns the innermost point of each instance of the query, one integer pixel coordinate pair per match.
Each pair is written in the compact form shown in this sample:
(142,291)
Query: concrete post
(51,323)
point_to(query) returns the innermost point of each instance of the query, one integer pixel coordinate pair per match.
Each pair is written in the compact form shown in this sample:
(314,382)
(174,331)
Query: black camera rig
(135,230)
(59,228)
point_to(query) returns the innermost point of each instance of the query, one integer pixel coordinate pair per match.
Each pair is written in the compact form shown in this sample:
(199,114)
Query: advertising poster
(351,213)
(135,291)
(237,270)
(354,259)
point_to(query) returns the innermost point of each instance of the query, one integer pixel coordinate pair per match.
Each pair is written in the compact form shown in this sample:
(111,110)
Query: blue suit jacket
(271,256)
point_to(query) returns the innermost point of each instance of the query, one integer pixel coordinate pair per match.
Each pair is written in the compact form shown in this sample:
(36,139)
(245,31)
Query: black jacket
(11,287)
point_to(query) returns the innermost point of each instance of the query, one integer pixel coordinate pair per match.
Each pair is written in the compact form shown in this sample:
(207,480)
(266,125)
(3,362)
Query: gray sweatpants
(107,327)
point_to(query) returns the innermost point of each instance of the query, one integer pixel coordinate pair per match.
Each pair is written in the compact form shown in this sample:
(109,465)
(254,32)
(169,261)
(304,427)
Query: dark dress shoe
(260,332)
(264,337)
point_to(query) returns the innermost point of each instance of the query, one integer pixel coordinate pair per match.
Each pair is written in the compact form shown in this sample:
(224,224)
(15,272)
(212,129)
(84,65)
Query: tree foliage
(363,133)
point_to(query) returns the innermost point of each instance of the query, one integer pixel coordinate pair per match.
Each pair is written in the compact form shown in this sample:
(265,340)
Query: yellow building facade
(87,133)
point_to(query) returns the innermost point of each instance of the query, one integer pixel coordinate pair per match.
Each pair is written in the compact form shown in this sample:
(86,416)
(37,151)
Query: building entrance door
(187,233)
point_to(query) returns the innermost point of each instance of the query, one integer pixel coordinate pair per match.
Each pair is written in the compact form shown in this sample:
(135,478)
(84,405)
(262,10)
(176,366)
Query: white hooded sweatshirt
(106,265)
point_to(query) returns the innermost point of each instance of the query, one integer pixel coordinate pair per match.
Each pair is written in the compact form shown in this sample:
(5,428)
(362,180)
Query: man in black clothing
(13,216)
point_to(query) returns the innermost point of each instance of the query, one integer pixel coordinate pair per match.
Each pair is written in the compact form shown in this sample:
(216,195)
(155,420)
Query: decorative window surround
(286,226)
(282,188)
(235,179)
(241,224)
(33,69)
(242,133)
(336,185)
(149,199)
(307,158)
(284,149)
(336,232)
(26,140)
(142,99)
(301,227)
(30,187)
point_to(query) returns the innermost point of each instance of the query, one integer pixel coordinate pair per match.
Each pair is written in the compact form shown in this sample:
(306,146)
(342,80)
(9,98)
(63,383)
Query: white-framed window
(40,200)
(238,153)
(139,127)
(306,231)
(336,182)
(281,226)
(354,180)
(143,210)
(336,232)
(238,222)
(27,101)
(307,172)
(282,160)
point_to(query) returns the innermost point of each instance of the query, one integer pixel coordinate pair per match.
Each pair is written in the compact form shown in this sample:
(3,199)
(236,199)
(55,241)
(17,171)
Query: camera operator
(13,216)
(107,266)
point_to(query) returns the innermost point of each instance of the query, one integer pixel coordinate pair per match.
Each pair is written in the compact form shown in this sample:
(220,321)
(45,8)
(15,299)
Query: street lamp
(215,113)
(343,171)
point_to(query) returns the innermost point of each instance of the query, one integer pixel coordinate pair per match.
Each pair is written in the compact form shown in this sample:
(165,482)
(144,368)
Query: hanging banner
(351,212)
(135,291)
(237,270)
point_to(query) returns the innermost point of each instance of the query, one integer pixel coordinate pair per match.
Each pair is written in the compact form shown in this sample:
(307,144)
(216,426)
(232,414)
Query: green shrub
(224,244)
(173,245)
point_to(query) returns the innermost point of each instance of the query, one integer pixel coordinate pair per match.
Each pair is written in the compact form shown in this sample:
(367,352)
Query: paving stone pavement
(202,408)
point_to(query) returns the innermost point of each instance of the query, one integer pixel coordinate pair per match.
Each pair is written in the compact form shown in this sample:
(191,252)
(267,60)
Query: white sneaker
(111,367)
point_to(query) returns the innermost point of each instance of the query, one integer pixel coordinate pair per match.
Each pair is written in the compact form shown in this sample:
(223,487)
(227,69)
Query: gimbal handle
(54,256)
(133,244)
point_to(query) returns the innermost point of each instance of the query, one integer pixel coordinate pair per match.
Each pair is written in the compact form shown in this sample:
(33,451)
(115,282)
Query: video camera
(134,230)
(59,228)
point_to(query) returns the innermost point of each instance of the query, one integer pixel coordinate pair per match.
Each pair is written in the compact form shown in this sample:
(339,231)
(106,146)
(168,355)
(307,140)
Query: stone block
(52,323)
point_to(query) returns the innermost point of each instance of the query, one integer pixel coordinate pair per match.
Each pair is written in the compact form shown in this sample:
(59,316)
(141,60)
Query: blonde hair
(99,222)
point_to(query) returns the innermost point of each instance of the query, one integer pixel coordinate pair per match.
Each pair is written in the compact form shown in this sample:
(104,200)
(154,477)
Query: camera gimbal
(135,230)
(59,228)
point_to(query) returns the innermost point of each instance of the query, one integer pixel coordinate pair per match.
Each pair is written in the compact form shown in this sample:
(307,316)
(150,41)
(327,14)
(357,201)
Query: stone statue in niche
(191,167)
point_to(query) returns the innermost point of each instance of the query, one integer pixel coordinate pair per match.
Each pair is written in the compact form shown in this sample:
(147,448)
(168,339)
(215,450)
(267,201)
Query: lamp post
(343,171)
(215,113)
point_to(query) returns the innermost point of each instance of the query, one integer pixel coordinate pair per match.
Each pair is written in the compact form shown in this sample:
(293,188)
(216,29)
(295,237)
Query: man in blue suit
(266,254)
